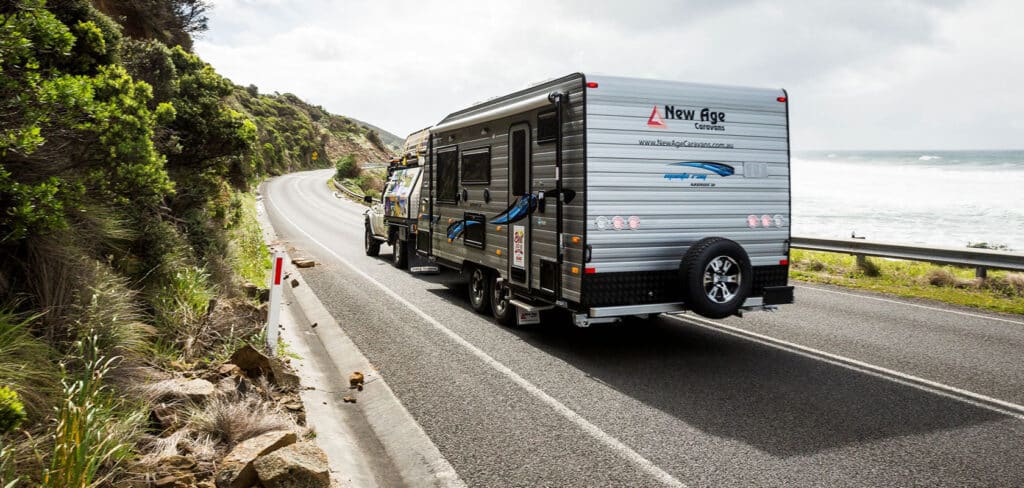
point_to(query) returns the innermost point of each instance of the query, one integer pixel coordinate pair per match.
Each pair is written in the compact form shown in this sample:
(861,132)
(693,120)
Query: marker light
(752,221)
(779,220)
(784,262)
(634,222)
(618,223)
(591,84)
(766,221)
(601,222)
(781,99)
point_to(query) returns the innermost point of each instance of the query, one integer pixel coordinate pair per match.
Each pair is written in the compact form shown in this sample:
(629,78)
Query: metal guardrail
(980,259)
(346,190)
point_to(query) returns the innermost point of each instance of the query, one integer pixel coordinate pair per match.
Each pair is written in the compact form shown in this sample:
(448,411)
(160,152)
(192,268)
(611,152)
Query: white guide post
(274,314)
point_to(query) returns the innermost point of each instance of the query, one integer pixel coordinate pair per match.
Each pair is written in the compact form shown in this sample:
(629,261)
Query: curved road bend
(674,402)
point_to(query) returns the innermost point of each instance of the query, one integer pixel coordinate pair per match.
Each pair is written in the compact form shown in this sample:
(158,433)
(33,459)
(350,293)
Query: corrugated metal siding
(629,179)
(542,224)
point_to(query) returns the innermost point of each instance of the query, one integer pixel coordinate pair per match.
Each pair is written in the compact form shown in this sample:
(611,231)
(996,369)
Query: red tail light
(781,99)
(591,84)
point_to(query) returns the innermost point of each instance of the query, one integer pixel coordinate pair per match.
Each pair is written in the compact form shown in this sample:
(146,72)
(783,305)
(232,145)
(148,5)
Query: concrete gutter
(374,442)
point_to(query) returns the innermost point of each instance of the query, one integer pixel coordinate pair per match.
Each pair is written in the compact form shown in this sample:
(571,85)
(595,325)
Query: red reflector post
(591,84)
(784,262)
(278,266)
(781,99)
(590,270)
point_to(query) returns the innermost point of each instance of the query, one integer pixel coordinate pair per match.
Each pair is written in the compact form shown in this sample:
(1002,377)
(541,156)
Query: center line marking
(594,431)
(970,397)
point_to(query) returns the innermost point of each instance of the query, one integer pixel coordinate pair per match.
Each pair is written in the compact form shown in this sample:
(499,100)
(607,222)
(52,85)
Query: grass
(94,431)
(248,253)
(1000,292)
(232,420)
(26,364)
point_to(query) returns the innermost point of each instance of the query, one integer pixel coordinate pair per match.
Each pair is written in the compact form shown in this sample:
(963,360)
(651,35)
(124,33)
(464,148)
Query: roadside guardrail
(346,190)
(980,259)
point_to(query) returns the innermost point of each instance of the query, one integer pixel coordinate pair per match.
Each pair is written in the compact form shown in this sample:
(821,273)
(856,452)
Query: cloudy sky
(861,74)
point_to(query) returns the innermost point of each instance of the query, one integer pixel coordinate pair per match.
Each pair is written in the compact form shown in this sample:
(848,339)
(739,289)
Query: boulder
(252,362)
(302,465)
(194,389)
(228,369)
(303,263)
(236,469)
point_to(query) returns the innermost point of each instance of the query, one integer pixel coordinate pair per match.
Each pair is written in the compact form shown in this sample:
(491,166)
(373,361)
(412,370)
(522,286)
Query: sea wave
(928,157)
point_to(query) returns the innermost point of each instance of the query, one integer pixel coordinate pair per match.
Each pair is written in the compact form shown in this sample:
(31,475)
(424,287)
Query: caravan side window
(476,166)
(547,127)
(517,168)
(447,174)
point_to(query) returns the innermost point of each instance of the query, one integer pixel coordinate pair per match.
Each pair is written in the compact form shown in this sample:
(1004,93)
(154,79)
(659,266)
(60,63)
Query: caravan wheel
(503,311)
(480,290)
(717,276)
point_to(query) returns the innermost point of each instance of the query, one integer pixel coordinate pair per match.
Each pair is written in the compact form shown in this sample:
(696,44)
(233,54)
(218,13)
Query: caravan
(605,196)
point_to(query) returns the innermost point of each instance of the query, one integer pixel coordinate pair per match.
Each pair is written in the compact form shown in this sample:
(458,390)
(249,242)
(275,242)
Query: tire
(370,244)
(716,276)
(480,290)
(503,311)
(400,254)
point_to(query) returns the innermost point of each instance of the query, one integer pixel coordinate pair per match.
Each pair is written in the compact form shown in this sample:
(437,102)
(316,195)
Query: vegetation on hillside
(125,222)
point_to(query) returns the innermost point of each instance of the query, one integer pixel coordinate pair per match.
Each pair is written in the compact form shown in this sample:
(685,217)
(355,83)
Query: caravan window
(447,174)
(547,127)
(518,169)
(476,166)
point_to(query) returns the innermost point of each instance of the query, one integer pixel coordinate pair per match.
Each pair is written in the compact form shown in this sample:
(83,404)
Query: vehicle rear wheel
(400,254)
(370,244)
(480,290)
(503,311)
(717,277)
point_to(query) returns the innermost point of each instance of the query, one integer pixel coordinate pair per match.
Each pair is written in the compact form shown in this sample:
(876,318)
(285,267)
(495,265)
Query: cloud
(404,65)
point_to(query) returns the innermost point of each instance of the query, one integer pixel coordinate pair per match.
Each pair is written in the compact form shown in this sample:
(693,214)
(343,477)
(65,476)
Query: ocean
(938,198)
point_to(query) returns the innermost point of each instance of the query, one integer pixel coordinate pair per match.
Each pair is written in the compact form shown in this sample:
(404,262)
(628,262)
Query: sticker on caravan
(519,246)
(655,119)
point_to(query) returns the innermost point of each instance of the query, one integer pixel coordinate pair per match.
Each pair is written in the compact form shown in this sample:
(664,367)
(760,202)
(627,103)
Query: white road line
(601,436)
(970,397)
(887,300)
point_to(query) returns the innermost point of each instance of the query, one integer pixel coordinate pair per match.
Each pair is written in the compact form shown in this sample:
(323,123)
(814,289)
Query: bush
(941,277)
(12,412)
(25,365)
(347,167)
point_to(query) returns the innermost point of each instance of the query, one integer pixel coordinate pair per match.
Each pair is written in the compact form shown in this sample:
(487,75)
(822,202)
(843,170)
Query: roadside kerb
(329,355)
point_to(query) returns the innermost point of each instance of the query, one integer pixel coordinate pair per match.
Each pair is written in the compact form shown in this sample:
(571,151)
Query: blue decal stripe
(718,168)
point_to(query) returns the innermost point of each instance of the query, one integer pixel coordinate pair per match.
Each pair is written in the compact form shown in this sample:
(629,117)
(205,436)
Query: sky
(861,74)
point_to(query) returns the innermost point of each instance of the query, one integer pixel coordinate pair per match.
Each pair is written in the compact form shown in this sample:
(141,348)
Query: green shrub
(347,167)
(12,412)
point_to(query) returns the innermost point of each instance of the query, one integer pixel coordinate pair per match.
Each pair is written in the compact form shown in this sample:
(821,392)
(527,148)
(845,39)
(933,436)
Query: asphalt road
(676,402)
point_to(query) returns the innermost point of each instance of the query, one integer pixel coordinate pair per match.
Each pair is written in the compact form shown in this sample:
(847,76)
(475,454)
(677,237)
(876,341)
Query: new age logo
(709,119)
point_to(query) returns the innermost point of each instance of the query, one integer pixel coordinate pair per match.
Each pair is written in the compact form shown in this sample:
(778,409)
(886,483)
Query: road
(825,392)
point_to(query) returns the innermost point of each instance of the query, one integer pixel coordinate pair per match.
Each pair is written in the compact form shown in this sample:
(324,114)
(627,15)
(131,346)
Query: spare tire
(717,277)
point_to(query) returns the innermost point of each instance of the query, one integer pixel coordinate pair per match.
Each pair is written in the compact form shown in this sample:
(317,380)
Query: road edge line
(403,438)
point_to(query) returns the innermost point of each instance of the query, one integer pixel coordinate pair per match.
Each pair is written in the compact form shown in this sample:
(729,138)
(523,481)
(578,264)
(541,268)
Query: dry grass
(231,419)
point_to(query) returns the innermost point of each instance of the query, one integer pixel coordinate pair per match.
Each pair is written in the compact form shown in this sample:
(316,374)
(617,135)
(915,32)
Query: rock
(251,361)
(175,464)
(283,378)
(195,389)
(232,384)
(236,469)
(295,283)
(251,290)
(185,480)
(302,465)
(348,399)
(313,325)
(228,369)
(355,380)
(303,263)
